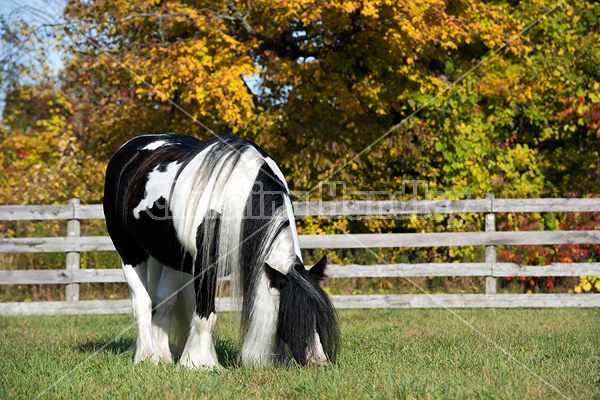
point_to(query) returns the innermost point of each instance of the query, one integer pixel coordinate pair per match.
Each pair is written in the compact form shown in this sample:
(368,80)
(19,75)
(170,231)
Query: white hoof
(207,366)
(145,355)
(199,351)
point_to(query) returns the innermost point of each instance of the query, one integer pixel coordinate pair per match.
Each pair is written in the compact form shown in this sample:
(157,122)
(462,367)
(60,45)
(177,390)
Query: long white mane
(220,180)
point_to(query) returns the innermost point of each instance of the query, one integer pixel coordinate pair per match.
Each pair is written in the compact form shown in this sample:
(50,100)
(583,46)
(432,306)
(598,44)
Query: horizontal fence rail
(339,208)
(74,244)
(389,207)
(346,241)
(354,301)
(496,270)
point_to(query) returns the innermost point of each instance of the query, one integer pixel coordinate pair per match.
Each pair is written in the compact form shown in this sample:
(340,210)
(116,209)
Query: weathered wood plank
(47,212)
(408,270)
(73,258)
(335,208)
(546,205)
(63,277)
(68,308)
(36,277)
(89,211)
(466,300)
(84,307)
(103,243)
(368,240)
(462,269)
(60,276)
(56,244)
(98,275)
(554,269)
(491,283)
(35,212)
(389,207)
(342,302)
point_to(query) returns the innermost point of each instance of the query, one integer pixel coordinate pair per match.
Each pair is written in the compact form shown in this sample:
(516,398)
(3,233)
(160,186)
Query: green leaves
(326,80)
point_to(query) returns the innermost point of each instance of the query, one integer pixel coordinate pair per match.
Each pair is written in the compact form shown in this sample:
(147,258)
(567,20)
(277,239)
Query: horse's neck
(282,254)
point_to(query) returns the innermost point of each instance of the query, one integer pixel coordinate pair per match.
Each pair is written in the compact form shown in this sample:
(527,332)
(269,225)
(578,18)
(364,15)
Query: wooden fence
(73,244)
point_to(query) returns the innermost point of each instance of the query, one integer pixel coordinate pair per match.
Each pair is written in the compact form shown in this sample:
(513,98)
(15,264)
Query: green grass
(386,354)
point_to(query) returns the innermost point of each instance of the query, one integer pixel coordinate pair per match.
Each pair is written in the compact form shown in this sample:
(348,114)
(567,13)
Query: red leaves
(544,255)
(568,111)
(586,108)
(127,93)
(22,153)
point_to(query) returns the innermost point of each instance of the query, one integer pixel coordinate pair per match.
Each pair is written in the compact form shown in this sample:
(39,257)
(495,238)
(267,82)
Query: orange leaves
(326,75)
(349,7)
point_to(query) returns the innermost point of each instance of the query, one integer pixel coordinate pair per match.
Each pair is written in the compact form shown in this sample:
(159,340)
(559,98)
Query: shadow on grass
(227,353)
(125,346)
(118,346)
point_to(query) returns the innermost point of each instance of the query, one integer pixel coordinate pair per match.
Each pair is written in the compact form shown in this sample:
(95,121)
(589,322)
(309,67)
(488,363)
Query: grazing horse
(182,213)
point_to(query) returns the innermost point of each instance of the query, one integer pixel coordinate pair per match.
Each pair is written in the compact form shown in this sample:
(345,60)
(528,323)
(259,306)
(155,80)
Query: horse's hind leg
(181,318)
(199,351)
(164,300)
(136,277)
(153,278)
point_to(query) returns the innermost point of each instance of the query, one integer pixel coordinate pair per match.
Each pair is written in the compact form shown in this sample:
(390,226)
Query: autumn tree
(469,96)
(42,157)
(329,78)
(317,82)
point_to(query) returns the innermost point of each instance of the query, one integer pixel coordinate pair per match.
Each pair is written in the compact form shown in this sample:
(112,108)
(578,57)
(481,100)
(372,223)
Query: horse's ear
(318,271)
(276,279)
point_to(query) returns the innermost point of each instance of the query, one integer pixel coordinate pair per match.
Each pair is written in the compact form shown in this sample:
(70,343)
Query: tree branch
(160,17)
(284,44)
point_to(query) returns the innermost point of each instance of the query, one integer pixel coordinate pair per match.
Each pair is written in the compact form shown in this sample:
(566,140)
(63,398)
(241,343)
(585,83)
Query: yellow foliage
(45,164)
(588,284)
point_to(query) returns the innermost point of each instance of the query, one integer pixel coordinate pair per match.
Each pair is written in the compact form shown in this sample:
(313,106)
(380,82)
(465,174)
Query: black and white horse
(180,210)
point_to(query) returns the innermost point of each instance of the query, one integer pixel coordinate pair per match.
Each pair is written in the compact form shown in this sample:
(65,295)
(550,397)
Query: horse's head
(307,322)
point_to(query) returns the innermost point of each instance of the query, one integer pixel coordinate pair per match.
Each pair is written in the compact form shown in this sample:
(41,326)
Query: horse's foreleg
(142,311)
(261,346)
(199,351)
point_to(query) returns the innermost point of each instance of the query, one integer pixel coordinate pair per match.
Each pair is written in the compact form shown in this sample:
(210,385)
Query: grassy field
(386,354)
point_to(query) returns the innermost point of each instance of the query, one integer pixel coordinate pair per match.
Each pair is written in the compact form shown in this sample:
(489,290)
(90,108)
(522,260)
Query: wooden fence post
(490,251)
(73,258)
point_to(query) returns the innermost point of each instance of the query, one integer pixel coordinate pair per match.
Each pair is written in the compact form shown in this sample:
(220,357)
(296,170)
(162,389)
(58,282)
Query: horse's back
(152,176)
(126,187)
